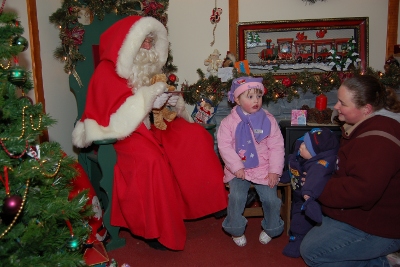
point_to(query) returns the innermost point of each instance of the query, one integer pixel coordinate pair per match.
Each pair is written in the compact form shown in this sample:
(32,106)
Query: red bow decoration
(76,35)
(216,15)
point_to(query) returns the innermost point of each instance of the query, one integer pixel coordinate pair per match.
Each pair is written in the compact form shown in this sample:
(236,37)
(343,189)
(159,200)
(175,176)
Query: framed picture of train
(316,45)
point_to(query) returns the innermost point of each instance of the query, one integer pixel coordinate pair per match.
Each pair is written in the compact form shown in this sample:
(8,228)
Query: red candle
(321,102)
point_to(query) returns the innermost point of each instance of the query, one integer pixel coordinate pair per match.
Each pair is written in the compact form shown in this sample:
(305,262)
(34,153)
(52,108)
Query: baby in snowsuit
(315,160)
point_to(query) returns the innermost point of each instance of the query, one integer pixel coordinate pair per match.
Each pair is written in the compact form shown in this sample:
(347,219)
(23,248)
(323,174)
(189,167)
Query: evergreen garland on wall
(289,87)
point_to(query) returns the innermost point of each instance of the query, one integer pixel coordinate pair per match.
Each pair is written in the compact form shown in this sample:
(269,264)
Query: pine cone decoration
(316,116)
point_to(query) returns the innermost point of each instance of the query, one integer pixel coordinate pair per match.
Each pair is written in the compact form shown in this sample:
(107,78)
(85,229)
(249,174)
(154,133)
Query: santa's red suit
(161,177)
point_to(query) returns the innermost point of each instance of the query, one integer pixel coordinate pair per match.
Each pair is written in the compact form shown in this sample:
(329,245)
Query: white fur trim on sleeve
(123,122)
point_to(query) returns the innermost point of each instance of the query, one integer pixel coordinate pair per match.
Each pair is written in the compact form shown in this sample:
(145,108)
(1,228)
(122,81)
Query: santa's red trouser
(164,177)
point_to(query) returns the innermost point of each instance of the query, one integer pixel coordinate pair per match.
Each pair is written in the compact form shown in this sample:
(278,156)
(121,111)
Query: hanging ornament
(17,75)
(85,16)
(73,244)
(11,203)
(20,41)
(214,19)
(172,78)
(287,82)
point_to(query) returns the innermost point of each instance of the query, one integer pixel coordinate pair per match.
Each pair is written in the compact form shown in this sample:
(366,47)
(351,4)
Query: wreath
(67,18)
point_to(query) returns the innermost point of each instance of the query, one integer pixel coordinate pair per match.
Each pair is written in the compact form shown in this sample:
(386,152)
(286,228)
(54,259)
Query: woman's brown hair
(367,89)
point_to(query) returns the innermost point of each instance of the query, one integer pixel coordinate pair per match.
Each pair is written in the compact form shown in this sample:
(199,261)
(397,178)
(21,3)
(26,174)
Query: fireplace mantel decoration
(288,87)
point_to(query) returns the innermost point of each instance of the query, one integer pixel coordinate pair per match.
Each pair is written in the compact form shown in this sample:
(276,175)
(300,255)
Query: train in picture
(290,50)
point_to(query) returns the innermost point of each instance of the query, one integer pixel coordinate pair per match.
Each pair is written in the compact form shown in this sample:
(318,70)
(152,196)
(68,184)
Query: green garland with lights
(289,87)
(72,31)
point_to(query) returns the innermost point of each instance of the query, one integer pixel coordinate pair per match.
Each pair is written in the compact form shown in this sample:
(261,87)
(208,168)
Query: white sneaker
(264,238)
(241,241)
(394,259)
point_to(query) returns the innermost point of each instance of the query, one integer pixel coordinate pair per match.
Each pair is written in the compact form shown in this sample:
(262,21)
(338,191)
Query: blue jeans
(335,243)
(235,223)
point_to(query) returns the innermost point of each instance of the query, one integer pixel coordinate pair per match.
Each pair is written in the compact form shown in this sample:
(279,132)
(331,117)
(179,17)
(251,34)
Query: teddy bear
(163,113)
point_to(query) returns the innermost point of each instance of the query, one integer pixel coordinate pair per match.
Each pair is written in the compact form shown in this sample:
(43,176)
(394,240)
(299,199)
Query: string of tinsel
(287,88)
(72,31)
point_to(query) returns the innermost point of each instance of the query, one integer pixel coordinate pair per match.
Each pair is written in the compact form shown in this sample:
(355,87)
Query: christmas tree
(250,38)
(257,38)
(39,224)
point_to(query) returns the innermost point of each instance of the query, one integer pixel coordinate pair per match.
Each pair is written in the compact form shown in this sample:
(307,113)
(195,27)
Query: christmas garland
(72,31)
(289,87)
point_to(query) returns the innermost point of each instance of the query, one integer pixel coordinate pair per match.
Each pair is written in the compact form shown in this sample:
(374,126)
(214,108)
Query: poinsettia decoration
(75,35)
(151,8)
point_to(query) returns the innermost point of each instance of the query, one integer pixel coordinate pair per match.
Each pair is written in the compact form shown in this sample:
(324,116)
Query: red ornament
(321,102)
(11,205)
(172,77)
(287,82)
(216,15)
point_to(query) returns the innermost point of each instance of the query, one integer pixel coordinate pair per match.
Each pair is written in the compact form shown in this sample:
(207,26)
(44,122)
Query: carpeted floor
(207,245)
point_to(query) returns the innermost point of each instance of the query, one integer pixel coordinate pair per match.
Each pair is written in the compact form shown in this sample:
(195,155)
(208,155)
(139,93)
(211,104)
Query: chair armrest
(105,141)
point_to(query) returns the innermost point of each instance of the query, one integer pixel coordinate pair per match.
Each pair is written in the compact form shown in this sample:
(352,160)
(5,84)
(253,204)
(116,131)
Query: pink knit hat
(242,84)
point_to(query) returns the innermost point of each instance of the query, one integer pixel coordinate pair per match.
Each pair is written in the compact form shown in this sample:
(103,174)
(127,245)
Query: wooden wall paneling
(392,27)
(36,60)
(233,20)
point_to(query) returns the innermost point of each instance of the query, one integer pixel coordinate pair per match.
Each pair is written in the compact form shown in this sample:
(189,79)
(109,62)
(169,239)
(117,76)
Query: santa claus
(161,177)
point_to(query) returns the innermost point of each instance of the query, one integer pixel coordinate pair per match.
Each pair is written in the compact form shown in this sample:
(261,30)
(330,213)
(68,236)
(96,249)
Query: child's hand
(303,179)
(240,174)
(273,179)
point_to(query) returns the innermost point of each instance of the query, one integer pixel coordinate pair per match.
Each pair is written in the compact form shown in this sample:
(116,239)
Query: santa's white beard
(144,68)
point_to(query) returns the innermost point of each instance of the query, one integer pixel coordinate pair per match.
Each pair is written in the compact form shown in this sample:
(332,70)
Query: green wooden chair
(99,159)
